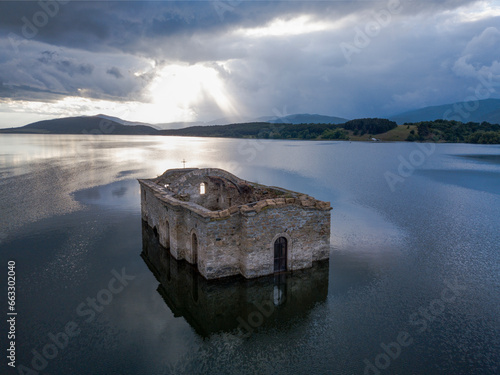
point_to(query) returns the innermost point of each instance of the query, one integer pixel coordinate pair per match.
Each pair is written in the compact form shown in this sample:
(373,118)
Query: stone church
(226,226)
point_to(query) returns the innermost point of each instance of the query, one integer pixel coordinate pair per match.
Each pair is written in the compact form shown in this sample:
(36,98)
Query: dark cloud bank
(365,58)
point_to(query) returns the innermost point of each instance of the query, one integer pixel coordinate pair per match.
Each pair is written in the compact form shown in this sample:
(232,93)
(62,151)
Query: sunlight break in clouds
(282,27)
(69,106)
(169,61)
(173,96)
(478,11)
(177,90)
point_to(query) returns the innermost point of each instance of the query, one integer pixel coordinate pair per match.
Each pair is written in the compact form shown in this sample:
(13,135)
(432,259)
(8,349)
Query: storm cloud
(249,59)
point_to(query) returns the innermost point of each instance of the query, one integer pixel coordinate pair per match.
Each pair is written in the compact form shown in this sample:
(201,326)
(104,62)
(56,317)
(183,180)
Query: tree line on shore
(425,131)
(289,131)
(455,132)
(357,130)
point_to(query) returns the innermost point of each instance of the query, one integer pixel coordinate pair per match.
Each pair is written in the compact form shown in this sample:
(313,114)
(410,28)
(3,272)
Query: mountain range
(303,118)
(484,110)
(83,125)
(473,111)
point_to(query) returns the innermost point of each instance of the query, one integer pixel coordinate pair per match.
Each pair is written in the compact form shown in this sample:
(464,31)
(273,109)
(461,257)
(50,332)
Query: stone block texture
(226,226)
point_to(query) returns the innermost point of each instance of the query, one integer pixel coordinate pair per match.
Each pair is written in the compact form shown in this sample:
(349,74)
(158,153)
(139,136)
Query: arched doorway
(280,254)
(167,235)
(194,249)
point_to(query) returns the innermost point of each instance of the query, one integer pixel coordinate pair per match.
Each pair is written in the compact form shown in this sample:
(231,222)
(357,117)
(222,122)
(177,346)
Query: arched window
(202,188)
(167,235)
(280,254)
(194,249)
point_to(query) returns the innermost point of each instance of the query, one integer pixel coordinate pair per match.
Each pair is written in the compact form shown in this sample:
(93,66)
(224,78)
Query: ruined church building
(226,226)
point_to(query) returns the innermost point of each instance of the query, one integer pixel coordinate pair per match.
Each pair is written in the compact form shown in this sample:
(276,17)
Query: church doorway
(194,249)
(280,254)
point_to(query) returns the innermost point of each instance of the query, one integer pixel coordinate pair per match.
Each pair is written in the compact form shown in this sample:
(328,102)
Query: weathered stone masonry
(227,226)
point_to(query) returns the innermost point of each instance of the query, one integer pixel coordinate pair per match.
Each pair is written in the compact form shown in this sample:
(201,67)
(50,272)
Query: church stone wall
(307,232)
(223,247)
(214,306)
(240,239)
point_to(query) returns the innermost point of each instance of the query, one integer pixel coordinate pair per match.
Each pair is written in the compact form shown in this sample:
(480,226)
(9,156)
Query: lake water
(412,285)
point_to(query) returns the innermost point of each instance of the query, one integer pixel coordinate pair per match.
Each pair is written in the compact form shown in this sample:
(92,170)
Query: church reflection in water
(233,304)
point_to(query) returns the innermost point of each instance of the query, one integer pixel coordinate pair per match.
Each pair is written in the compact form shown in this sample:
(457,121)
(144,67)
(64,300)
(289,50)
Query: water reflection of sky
(120,195)
(73,210)
(341,172)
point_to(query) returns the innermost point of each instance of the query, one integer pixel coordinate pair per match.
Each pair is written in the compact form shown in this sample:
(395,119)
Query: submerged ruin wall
(239,239)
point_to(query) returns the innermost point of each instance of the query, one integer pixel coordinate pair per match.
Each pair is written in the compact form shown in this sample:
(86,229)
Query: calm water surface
(415,258)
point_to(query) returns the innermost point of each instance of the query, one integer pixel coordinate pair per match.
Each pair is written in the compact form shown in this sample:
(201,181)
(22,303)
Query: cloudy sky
(165,61)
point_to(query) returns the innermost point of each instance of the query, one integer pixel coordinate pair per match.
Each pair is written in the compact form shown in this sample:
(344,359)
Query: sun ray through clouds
(178,89)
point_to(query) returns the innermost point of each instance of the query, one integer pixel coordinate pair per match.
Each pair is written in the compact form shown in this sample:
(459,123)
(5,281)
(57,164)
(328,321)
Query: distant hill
(229,120)
(287,130)
(164,125)
(176,125)
(299,118)
(483,131)
(82,125)
(305,118)
(121,121)
(483,110)
(251,130)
